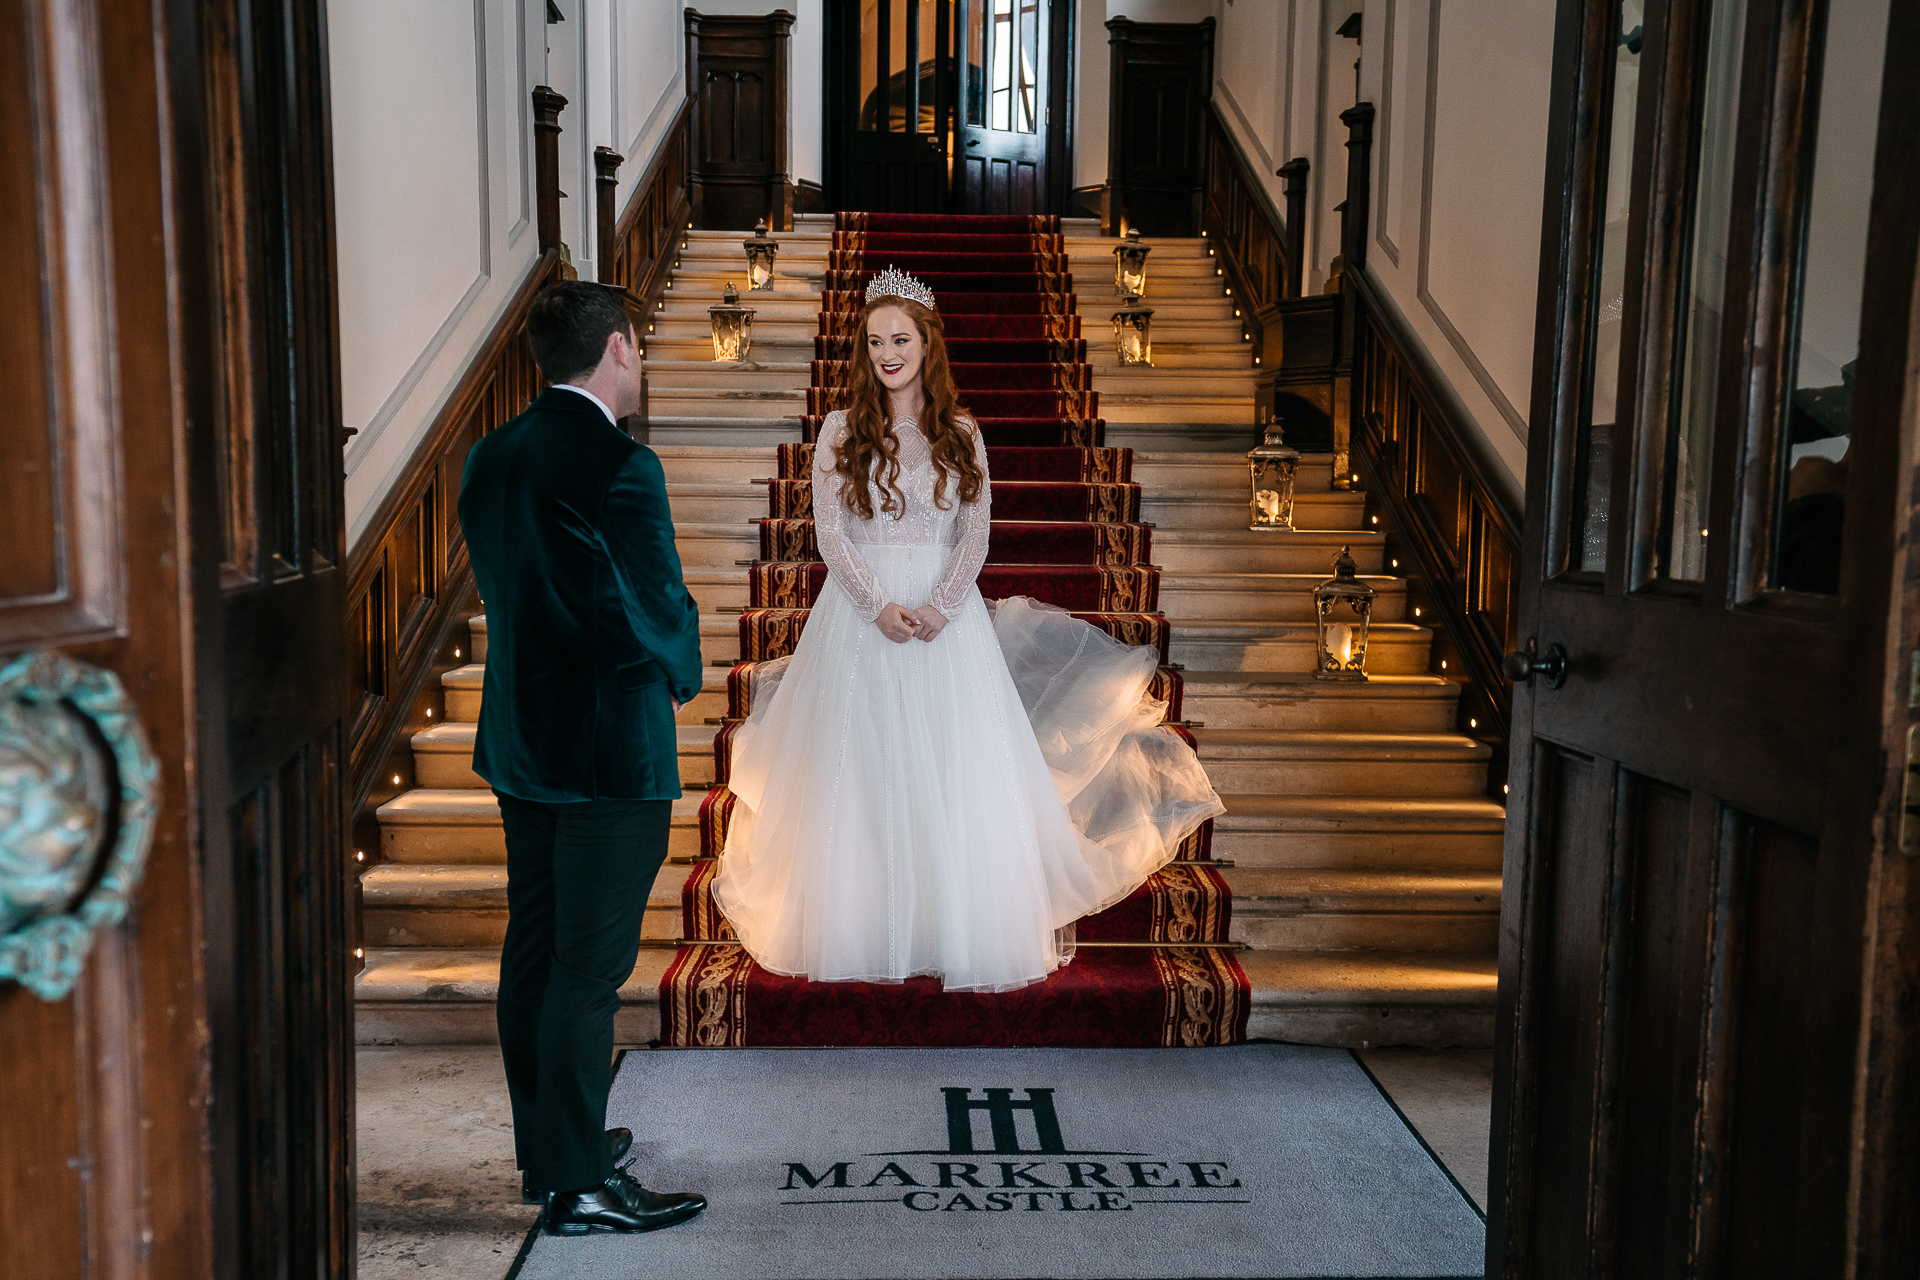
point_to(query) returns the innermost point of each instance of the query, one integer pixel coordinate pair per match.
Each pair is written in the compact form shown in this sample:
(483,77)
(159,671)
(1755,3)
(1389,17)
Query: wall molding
(1461,347)
(1388,130)
(396,399)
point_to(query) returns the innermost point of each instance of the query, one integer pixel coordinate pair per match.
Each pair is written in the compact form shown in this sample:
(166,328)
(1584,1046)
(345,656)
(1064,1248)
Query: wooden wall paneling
(737,76)
(654,223)
(105,1162)
(60,579)
(410,568)
(1444,511)
(1249,240)
(1160,85)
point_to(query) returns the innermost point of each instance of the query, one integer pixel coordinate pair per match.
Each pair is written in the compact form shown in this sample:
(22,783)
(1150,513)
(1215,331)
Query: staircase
(1363,859)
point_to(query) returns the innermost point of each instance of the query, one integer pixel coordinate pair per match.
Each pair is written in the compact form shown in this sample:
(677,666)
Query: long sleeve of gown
(830,517)
(975,525)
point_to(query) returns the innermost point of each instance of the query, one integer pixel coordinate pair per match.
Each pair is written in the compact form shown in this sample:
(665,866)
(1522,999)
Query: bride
(932,783)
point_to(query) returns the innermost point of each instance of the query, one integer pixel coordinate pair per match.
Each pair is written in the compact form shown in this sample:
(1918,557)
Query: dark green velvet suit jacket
(590,629)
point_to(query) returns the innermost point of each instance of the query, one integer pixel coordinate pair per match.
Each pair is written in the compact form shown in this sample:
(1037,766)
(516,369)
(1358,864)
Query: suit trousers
(578,876)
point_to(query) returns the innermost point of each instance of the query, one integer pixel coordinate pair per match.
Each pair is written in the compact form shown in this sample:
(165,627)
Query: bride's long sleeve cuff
(843,560)
(975,527)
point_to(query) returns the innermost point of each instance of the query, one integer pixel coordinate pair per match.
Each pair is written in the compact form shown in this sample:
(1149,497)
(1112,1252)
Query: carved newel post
(606,189)
(546,165)
(1294,172)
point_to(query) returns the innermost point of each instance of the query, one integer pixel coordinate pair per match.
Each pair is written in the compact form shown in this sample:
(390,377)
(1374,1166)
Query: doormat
(1258,1160)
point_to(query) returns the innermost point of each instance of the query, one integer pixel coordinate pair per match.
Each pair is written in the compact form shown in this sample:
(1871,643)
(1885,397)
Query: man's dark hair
(569,326)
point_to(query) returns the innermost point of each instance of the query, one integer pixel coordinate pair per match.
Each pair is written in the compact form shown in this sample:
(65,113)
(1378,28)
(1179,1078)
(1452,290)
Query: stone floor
(439,1197)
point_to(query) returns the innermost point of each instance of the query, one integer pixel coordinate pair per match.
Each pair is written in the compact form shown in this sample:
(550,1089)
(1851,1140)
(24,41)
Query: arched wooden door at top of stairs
(916,128)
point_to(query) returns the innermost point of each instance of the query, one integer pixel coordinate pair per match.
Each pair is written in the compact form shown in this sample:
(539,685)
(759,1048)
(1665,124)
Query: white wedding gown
(950,806)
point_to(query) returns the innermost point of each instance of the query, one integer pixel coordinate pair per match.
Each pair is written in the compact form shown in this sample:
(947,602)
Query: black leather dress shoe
(619,1142)
(619,1204)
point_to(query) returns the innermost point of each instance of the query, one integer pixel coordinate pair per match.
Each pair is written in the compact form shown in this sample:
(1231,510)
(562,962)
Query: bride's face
(895,347)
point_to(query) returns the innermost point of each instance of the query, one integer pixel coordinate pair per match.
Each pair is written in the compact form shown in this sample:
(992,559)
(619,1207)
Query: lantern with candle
(1132,332)
(1130,264)
(732,326)
(1342,613)
(1270,471)
(761,251)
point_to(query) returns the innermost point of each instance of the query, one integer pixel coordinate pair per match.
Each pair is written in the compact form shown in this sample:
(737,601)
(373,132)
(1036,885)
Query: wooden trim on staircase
(1245,231)
(409,586)
(1450,509)
(408,571)
(640,256)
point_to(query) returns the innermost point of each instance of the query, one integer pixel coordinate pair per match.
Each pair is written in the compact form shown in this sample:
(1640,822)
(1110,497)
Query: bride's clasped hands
(901,625)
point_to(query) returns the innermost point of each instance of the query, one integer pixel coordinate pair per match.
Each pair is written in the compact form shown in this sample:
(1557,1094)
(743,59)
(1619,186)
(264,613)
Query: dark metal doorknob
(1550,666)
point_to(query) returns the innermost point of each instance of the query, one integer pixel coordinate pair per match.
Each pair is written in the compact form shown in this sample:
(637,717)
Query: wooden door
(170,497)
(1698,844)
(737,67)
(1160,82)
(1005,105)
(890,117)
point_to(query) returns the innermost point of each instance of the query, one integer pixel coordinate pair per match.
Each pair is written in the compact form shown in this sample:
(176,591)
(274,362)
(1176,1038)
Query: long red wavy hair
(871,451)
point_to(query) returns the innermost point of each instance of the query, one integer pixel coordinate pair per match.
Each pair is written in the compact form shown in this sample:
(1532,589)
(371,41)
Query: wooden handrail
(1449,507)
(409,584)
(1256,251)
(652,223)
(408,571)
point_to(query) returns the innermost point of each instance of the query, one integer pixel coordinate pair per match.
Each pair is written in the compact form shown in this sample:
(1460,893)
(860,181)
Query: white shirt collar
(582,391)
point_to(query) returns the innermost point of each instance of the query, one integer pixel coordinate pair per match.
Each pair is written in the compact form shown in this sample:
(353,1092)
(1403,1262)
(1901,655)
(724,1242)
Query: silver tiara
(898,284)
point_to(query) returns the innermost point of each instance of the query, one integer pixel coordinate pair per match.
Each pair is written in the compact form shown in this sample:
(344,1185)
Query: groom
(593,645)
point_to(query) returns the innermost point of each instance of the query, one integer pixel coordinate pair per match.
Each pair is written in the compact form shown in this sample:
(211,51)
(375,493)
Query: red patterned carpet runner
(1066,530)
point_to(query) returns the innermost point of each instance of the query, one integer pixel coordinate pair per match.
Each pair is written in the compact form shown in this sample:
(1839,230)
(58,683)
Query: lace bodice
(840,533)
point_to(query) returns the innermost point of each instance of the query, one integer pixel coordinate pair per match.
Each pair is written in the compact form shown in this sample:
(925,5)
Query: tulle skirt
(951,806)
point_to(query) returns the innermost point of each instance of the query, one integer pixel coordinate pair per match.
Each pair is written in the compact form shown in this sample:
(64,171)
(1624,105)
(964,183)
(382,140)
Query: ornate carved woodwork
(737,71)
(1249,243)
(1159,87)
(547,106)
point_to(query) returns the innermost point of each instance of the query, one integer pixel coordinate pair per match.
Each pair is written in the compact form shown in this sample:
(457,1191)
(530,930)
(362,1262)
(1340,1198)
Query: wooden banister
(653,223)
(409,584)
(1245,233)
(1451,509)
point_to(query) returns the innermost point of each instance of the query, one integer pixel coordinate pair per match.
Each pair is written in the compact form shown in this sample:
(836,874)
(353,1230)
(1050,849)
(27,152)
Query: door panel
(898,131)
(1681,986)
(1004,117)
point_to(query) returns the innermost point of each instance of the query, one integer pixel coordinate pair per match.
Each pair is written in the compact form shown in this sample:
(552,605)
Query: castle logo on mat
(996,1123)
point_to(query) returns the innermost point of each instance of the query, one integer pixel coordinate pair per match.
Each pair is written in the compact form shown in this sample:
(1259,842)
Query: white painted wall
(433,193)
(1460,92)
(433,176)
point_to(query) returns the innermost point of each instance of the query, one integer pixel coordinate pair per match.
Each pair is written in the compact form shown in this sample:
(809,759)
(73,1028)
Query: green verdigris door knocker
(60,795)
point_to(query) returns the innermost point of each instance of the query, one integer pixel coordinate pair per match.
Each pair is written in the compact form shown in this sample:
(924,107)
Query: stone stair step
(1358,999)
(1296,700)
(1191,409)
(1265,597)
(429,825)
(746,433)
(1167,436)
(465,905)
(1360,832)
(1244,550)
(1323,762)
(1393,648)
(1326,909)
(1227,508)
